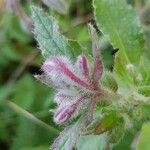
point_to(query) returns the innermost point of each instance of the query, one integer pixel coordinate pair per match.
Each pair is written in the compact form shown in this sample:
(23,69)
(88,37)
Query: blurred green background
(26,105)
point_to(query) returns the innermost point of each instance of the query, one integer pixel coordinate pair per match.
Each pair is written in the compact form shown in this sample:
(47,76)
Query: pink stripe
(58,139)
(76,79)
(91,108)
(58,112)
(63,114)
(98,66)
(60,97)
(71,75)
(84,64)
(47,68)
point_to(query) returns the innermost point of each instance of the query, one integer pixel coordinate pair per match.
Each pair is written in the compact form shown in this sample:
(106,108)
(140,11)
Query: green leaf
(24,93)
(32,139)
(145,111)
(106,123)
(69,136)
(78,49)
(118,132)
(41,147)
(144,90)
(5,91)
(95,142)
(119,23)
(51,42)
(109,81)
(143,142)
(126,141)
(113,124)
(9,52)
(14,29)
(145,69)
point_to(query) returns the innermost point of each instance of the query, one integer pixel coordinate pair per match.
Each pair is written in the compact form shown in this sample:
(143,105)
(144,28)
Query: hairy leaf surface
(50,41)
(118,21)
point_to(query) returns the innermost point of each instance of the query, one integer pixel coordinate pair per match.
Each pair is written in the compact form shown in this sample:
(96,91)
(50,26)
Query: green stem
(31,117)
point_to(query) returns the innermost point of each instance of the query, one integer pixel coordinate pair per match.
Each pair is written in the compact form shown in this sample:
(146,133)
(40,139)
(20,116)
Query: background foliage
(25,120)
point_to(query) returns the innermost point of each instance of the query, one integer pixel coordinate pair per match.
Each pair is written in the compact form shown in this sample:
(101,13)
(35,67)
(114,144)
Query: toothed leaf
(68,137)
(50,41)
(119,23)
